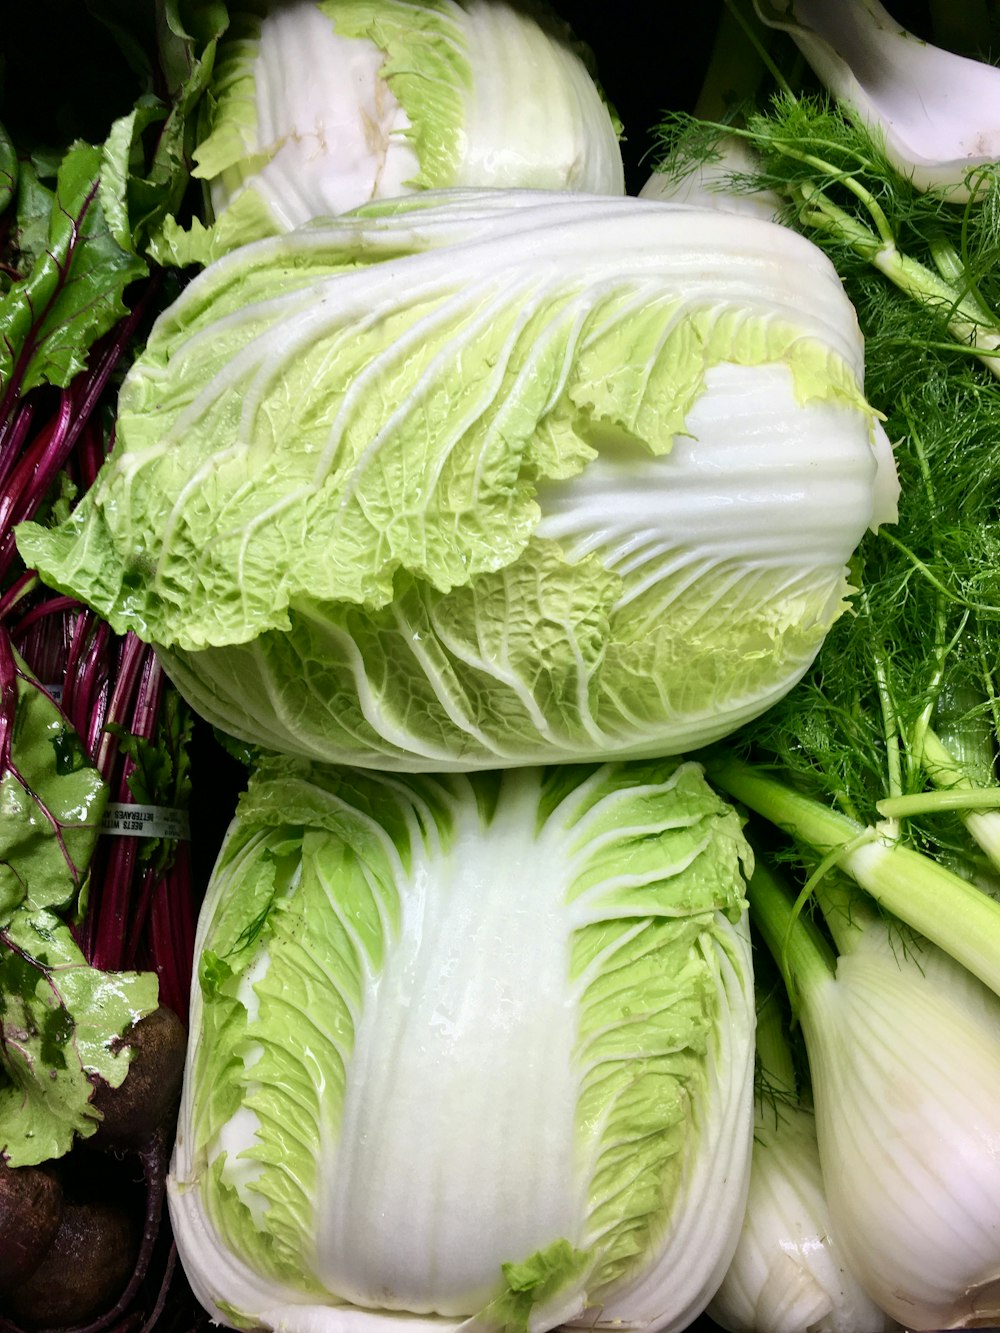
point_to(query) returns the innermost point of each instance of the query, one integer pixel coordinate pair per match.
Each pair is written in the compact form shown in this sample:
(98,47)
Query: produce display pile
(499,621)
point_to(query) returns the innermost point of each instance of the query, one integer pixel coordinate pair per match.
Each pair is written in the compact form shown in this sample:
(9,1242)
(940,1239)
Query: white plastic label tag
(145,821)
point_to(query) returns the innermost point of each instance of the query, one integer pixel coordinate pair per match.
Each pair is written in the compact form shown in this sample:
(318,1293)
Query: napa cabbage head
(468,1048)
(493,479)
(319,106)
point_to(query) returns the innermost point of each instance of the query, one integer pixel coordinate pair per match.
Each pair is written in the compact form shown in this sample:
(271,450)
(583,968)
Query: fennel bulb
(468,1048)
(904,1057)
(488,479)
(788,1273)
(319,106)
(936,113)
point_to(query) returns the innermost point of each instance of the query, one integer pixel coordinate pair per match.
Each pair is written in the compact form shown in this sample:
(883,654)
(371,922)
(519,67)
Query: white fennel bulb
(713,182)
(468,1050)
(904,1059)
(788,1274)
(904,1049)
(937,113)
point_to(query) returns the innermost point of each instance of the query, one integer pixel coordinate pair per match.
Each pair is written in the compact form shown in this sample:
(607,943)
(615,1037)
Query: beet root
(89,1261)
(148,1095)
(31,1205)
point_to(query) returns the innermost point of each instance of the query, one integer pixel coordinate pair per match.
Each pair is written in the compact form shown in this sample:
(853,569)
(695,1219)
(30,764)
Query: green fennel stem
(890,722)
(954,914)
(976,804)
(941,645)
(962,315)
(928,802)
(953,269)
(775,1066)
(801,953)
(847,912)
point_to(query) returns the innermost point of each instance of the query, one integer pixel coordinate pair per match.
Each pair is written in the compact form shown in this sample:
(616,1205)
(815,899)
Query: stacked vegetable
(468,512)
(377,500)
(112,207)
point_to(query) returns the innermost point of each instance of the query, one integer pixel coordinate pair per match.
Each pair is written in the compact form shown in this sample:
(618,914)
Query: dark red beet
(31,1205)
(90,1260)
(148,1095)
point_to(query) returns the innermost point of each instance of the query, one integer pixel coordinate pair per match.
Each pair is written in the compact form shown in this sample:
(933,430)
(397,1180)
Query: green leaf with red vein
(60,1024)
(73,292)
(51,799)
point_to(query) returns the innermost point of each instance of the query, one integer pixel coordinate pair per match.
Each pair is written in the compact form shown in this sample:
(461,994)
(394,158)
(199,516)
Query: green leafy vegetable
(50,804)
(142,191)
(81,219)
(73,287)
(60,1019)
(78,272)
